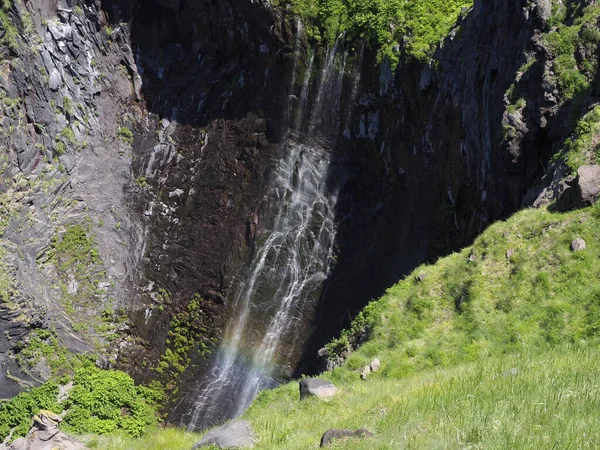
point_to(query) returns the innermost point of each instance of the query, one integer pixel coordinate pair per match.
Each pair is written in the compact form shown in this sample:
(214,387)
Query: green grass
(583,147)
(495,347)
(526,400)
(159,439)
(518,298)
(574,32)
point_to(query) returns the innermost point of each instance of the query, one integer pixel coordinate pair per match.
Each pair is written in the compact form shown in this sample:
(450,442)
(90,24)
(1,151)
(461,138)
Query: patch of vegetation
(141,182)
(17,413)
(42,347)
(108,401)
(59,148)
(576,34)
(125,134)
(495,346)
(160,439)
(419,24)
(68,134)
(12,35)
(532,399)
(583,147)
(100,402)
(484,301)
(187,335)
(81,274)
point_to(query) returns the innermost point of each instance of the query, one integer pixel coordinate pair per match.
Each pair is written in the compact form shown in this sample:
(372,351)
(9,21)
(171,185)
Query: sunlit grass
(496,347)
(168,438)
(546,400)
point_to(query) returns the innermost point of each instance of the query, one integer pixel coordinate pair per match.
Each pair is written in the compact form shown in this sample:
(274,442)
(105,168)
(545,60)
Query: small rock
(472,258)
(509,253)
(236,434)
(578,245)
(375,365)
(55,80)
(421,277)
(336,434)
(323,389)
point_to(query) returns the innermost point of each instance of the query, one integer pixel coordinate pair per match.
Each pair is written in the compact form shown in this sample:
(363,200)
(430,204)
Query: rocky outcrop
(236,434)
(63,99)
(45,435)
(316,387)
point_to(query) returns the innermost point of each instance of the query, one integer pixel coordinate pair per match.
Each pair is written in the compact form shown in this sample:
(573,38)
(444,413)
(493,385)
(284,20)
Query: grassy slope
(449,346)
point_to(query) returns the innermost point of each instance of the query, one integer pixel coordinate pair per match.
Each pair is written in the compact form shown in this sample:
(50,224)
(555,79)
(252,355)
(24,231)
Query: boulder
(588,185)
(578,245)
(338,434)
(374,366)
(543,11)
(236,434)
(317,387)
(45,435)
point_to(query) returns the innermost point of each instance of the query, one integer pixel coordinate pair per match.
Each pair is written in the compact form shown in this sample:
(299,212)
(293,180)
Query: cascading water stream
(292,261)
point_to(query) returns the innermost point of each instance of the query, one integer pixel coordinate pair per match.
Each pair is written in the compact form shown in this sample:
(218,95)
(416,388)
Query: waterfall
(263,339)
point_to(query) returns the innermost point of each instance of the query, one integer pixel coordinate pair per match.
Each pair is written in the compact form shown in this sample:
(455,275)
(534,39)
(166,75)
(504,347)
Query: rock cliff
(145,134)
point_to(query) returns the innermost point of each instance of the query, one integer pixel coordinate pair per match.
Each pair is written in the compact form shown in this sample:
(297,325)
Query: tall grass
(493,347)
(526,400)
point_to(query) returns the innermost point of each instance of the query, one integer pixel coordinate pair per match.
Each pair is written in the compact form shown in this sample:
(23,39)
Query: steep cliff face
(64,172)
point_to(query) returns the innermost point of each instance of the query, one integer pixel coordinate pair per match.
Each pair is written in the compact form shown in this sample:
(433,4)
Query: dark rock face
(427,164)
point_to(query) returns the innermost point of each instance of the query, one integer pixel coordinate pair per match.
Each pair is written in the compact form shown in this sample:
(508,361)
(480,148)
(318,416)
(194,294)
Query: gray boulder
(236,434)
(543,11)
(339,434)
(588,185)
(578,245)
(317,387)
(45,435)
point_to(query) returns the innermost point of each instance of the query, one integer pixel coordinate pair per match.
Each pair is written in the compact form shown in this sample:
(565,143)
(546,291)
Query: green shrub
(421,24)
(125,134)
(17,413)
(107,401)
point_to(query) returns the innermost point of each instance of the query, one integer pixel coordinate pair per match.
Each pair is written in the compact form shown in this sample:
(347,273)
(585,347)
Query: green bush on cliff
(574,34)
(100,402)
(108,401)
(583,147)
(419,24)
(17,413)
